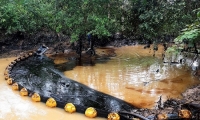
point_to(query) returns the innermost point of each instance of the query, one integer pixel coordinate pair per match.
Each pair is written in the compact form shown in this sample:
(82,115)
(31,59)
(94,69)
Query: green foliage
(20,17)
(74,18)
(188,38)
(86,17)
(191,33)
(153,19)
(172,50)
(98,17)
(14,18)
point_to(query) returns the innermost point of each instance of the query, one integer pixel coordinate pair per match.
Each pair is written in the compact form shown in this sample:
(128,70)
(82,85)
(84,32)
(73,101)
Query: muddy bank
(58,43)
(14,45)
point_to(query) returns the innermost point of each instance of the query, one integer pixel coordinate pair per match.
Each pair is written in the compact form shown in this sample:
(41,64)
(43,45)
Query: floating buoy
(15,86)
(69,107)
(30,53)
(51,102)
(185,114)
(162,117)
(8,68)
(24,92)
(13,62)
(10,65)
(6,72)
(90,112)
(18,59)
(6,77)
(113,116)
(9,81)
(22,57)
(26,56)
(36,97)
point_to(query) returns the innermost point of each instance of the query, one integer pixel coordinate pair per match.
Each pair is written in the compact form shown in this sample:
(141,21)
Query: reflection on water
(16,107)
(135,76)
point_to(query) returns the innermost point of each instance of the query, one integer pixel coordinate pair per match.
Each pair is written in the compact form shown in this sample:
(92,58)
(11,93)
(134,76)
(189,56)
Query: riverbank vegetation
(149,19)
(101,21)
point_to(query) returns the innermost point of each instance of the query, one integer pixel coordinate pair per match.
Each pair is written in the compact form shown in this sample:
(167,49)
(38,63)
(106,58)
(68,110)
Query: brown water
(132,76)
(129,76)
(15,107)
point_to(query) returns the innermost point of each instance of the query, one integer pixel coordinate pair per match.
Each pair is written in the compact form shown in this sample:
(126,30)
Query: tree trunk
(79,49)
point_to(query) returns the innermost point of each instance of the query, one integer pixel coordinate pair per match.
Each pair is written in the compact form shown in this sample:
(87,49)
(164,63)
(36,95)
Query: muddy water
(135,76)
(15,107)
(132,76)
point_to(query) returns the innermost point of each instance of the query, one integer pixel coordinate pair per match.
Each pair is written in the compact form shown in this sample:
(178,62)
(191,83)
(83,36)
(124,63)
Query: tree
(190,36)
(100,18)
(97,18)
(154,19)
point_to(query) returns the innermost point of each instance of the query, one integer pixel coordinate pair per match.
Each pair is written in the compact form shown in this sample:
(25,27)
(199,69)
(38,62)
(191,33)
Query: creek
(133,75)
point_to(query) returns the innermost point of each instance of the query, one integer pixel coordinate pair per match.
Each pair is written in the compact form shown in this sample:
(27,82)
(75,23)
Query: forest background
(152,20)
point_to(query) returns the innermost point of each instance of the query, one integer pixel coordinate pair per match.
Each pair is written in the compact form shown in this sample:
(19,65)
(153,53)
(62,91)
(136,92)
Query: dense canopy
(149,18)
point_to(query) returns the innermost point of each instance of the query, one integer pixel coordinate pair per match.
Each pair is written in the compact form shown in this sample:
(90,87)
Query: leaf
(198,14)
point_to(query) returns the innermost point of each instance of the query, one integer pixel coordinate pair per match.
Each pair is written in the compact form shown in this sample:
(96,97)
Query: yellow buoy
(185,114)
(6,77)
(162,116)
(6,72)
(15,86)
(113,116)
(24,92)
(9,81)
(51,102)
(90,112)
(36,97)
(69,107)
